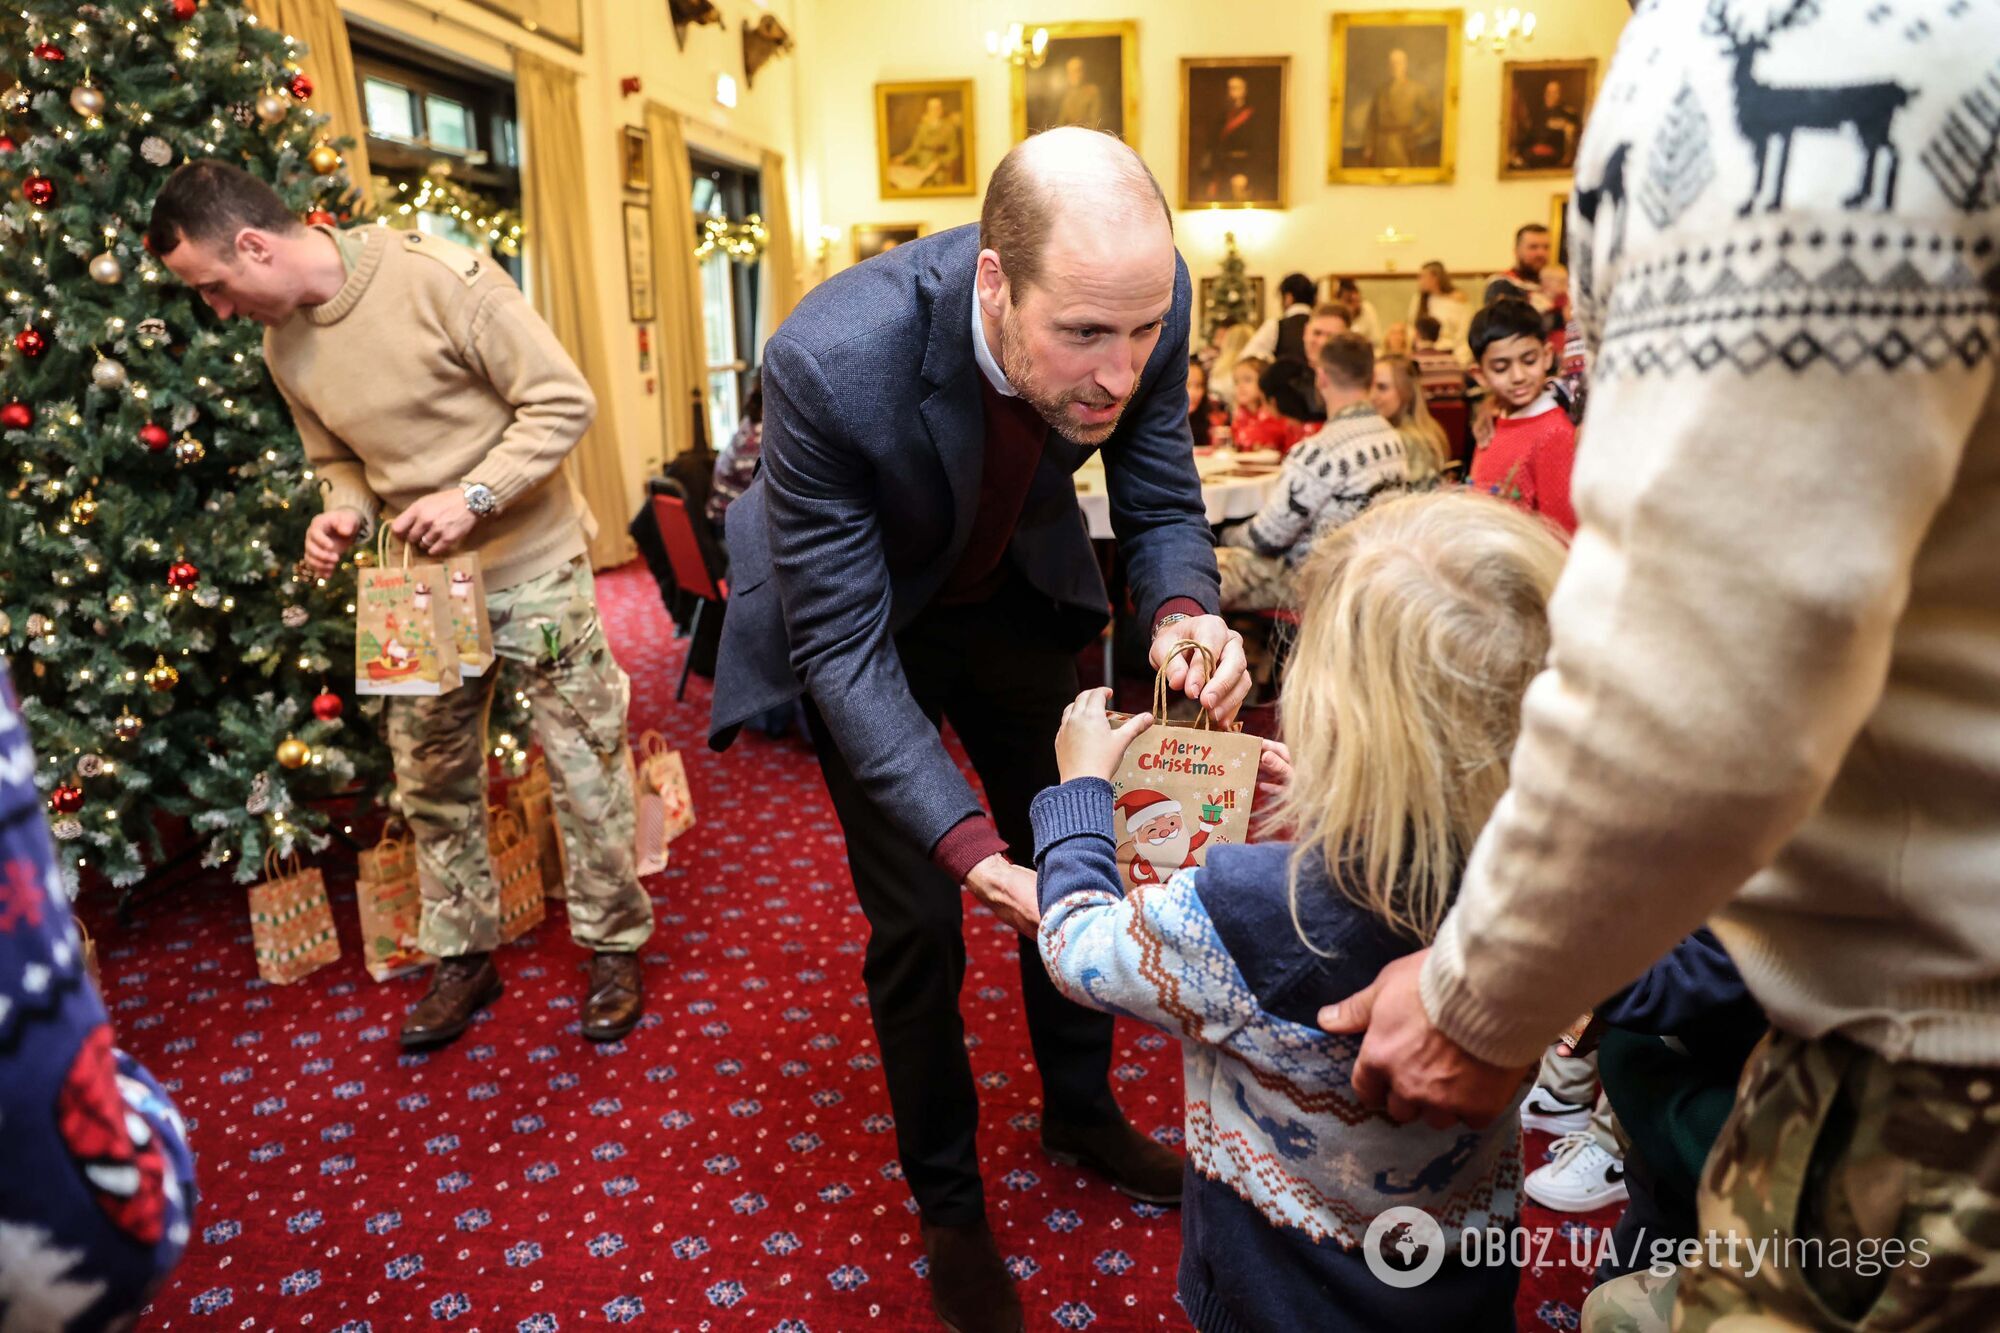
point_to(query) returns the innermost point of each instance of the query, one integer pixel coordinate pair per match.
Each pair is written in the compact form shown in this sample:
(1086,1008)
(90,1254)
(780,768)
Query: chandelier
(1500,29)
(1019,46)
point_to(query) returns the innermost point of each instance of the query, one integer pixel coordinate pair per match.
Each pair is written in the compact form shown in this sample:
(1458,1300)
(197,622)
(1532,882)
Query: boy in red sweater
(1533,446)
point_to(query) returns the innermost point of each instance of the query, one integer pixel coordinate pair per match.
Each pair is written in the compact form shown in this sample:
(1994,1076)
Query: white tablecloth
(1225,488)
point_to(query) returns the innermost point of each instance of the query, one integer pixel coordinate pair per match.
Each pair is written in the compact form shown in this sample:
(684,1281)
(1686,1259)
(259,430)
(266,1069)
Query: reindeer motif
(1769,116)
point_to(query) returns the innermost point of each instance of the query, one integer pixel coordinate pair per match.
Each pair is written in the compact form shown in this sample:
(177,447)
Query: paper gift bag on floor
(1181,790)
(390,899)
(291,922)
(517,866)
(665,808)
(533,803)
(465,607)
(403,641)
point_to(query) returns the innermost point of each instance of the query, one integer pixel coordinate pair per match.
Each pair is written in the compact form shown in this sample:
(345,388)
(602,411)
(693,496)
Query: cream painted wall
(1468,224)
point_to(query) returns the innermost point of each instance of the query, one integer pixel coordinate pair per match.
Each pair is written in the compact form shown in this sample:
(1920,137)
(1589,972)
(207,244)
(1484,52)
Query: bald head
(1064,186)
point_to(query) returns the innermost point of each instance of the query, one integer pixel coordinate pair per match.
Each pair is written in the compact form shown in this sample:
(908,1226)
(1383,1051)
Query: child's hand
(1274,773)
(1088,746)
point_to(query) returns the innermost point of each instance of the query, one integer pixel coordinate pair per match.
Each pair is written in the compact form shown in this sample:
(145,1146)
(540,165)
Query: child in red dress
(1257,425)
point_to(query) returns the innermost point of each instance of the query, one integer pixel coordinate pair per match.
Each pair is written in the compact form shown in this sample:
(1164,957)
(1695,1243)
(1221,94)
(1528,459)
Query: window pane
(510,149)
(718,309)
(722,407)
(707,198)
(449,124)
(390,112)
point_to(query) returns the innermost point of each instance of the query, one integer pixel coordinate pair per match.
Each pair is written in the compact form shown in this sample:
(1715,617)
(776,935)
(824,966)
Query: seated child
(1528,457)
(1257,424)
(1423,622)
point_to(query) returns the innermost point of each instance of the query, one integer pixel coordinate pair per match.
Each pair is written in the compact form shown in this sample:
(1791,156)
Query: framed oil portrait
(1091,77)
(923,139)
(635,158)
(1395,97)
(1543,104)
(1205,298)
(639,263)
(874,238)
(1235,142)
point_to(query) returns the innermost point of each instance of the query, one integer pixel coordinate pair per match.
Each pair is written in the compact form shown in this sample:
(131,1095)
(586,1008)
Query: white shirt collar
(984,354)
(1545,403)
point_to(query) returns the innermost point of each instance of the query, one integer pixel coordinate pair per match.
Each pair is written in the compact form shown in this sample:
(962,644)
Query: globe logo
(1403,1247)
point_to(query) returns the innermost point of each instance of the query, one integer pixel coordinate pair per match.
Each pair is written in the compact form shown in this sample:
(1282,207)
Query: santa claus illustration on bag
(1158,842)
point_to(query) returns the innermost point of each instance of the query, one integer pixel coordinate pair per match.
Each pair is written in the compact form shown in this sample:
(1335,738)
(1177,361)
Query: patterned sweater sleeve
(1152,954)
(1288,514)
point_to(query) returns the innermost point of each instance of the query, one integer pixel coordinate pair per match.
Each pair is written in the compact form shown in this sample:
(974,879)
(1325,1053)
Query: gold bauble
(86,100)
(188,451)
(127,727)
(160,677)
(124,604)
(293,752)
(16,100)
(106,269)
(108,374)
(82,510)
(323,160)
(271,108)
(38,625)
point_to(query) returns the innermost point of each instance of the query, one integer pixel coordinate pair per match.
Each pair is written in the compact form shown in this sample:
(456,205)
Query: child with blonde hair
(1422,623)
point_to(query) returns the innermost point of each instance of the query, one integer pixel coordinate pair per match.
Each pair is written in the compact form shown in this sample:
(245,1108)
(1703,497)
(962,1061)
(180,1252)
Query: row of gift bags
(420,626)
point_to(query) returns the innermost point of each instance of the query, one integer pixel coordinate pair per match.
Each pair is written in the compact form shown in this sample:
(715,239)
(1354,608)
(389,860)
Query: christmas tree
(170,656)
(1229,298)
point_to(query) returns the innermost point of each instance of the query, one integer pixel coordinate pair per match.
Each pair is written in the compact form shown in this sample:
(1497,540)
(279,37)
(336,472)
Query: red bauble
(183,10)
(66,799)
(154,436)
(39,191)
(7,145)
(48,51)
(326,706)
(30,342)
(182,576)
(16,416)
(302,87)
(319,217)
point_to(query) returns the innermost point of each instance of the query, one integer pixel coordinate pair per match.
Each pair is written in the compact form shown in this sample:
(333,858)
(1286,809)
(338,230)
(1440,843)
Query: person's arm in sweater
(517,352)
(1287,514)
(342,477)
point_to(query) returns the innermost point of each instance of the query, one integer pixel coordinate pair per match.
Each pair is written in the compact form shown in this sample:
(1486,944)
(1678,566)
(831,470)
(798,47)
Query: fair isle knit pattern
(1326,481)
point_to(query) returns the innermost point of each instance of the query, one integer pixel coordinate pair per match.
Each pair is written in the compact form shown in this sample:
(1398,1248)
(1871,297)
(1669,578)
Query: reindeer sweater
(1285,1169)
(1773,695)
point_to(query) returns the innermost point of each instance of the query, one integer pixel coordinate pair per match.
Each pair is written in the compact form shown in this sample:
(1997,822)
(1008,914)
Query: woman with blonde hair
(1438,297)
(1222,372)
(1400,402)
(1423,622)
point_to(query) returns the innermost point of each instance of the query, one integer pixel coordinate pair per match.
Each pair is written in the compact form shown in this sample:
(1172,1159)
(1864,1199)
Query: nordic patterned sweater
(1326,480)
(1285,1168)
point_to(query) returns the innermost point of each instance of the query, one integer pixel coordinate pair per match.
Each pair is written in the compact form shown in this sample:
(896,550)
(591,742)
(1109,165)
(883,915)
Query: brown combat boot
(460,988)
(612,1006)
(1136,1166)
(971,1290)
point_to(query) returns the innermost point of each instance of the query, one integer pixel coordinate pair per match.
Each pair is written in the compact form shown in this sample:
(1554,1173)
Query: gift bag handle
(653,743)
(277,867)
(382,547)
(395,833)
(1202,721)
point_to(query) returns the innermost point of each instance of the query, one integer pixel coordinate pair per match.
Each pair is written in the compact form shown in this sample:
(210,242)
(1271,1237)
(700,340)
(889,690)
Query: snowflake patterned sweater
(1285,1168)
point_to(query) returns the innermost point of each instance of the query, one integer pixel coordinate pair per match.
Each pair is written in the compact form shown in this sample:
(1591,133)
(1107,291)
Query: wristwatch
(478,497)
(1173,619)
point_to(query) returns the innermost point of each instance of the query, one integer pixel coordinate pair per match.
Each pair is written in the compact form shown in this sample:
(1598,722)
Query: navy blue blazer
(874,442)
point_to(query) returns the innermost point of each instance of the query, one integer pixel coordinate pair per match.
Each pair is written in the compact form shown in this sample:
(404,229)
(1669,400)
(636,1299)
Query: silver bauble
(106,269)
(108,374)
(86,100)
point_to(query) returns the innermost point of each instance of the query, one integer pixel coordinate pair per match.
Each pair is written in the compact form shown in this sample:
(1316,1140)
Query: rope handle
(1202,721)
(279,868)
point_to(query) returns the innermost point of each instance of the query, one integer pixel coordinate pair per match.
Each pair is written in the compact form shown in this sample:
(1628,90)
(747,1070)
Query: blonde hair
(1423,438)
(1423,622)
(1233,342)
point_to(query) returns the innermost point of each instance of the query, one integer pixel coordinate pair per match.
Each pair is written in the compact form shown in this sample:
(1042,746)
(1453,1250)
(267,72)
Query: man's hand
(437,523)
(1222,694)
(1274,773)
(1406,1066)
(327,540)
(1087,745)
(1009,890)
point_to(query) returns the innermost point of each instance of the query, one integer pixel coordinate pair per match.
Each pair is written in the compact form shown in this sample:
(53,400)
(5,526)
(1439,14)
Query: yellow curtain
(677,280)
(329,63)
(565,286)
(781,261)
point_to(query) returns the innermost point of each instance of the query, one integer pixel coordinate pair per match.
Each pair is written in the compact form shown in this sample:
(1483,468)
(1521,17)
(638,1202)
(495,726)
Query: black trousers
(980,668)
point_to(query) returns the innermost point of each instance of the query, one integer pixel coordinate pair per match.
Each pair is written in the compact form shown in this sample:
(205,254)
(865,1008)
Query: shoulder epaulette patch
(463,263)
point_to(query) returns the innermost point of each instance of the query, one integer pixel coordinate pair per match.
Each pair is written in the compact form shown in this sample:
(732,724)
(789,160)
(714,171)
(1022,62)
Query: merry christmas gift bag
(1181,790)
(533,803)
(390,901)
(665,807)
(291,921)
(517,866)
(403,642)
(465,607)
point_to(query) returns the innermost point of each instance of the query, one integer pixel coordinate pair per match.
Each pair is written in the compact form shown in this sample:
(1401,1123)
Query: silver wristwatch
(1173,619)
(479,497)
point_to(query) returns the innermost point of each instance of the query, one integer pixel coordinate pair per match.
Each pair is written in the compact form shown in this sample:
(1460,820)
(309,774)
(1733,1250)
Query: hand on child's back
(1088,746)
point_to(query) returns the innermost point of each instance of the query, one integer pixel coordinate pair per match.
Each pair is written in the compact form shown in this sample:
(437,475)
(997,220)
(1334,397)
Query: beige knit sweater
(1774,689)
(428,369)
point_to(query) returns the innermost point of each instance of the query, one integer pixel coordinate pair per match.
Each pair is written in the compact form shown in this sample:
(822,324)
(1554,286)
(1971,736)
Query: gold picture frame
(1558,217)
(635,157)
(1361,151)
(872,238)
(902,117)
(1235,156)
(1528,149)
(639,263)
(1040,106)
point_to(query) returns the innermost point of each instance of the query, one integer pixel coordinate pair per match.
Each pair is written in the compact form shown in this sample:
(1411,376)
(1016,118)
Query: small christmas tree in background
(170,657)
(1229,298)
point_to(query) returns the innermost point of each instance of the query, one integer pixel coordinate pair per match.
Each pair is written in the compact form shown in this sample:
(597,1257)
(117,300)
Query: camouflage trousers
(1877,1181)
(547,634)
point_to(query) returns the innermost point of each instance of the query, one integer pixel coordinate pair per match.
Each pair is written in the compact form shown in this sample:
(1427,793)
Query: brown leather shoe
(1136,1166)
(460,988)
(971,1290)
(616,999)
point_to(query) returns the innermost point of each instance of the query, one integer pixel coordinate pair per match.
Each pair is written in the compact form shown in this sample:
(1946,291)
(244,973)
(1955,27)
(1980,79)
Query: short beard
(1015,365)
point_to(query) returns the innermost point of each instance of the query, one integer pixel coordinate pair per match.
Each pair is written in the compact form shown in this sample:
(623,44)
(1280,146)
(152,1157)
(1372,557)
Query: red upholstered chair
(691,570)
(1451,413)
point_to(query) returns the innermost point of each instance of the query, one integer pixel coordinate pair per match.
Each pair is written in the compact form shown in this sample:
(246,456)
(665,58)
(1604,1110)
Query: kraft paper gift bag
(465,607)
(403,642)
(291,922)
(389,898)
(1181,790)
(533,802)
(517,866)
(665,807)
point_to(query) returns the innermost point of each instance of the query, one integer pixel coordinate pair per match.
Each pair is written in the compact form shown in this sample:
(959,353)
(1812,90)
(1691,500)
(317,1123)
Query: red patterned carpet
(730,1166)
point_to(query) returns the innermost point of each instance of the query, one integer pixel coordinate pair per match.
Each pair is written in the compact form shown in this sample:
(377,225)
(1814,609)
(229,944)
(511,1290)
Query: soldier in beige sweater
(431,397)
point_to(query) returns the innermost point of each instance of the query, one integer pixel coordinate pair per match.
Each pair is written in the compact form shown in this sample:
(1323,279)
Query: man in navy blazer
(912,550)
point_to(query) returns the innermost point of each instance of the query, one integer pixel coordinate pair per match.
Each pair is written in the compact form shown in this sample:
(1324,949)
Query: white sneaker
(1549,1113)
(1582,1177)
